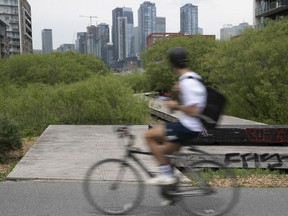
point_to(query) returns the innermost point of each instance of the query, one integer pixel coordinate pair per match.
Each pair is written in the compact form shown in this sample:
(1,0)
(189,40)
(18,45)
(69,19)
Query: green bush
(97,100)
(10,138)
(51,68)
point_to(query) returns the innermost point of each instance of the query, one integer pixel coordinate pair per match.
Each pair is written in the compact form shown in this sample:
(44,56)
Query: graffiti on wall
(268,135)
(265,160)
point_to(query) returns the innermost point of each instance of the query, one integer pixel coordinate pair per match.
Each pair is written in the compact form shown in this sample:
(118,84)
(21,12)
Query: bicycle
(194,194)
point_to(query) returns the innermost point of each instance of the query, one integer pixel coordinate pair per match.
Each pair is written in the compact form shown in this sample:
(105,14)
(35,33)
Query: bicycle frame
(130,154)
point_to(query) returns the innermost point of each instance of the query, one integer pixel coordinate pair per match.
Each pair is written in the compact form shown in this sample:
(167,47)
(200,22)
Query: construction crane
(91,17)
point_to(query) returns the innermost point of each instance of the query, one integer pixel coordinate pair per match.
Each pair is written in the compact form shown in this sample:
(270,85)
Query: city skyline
(65,23)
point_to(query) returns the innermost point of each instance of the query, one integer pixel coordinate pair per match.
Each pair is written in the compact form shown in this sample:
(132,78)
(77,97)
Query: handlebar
(124,131)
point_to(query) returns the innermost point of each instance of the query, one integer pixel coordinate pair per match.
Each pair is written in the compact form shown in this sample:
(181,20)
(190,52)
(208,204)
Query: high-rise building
(189,19)
(4,40)
(228,31)
(66,48)
(92,35)
(81,42)
(146,22)
(136,42)
(107,53)
(17,15)
(103,38)
(160,24)
(122,33)
(47,41)
(272,9)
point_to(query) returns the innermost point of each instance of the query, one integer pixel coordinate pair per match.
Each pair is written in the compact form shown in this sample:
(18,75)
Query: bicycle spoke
(213,191)
(113,196)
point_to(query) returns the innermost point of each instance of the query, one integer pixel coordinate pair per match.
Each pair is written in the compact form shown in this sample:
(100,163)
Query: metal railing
(268,6)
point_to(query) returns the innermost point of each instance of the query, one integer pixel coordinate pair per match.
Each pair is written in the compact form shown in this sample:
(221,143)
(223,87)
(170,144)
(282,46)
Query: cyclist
(192,99)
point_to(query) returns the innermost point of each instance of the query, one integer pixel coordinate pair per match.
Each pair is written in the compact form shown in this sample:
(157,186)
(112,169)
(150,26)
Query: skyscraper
(160,24)
(81,42)
(47,41)
(92,34)
(122,33)
(146,22)
(102,39)
(189,19)
(17,15)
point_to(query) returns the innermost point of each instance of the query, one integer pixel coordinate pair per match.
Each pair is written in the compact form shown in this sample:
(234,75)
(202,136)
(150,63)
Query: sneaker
(166,202)
(161,180)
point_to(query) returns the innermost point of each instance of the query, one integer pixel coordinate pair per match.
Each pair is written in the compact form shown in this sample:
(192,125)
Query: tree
(252,72)
(159,73)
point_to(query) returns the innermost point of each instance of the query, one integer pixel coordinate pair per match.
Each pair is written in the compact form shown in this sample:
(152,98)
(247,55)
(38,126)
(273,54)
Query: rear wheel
(120,190)
(212,191)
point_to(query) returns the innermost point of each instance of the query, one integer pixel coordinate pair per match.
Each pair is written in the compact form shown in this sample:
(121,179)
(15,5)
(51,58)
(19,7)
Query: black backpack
(214,106)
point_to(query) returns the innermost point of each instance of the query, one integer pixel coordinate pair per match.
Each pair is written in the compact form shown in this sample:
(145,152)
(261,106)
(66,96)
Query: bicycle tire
(114,196)
(213,189)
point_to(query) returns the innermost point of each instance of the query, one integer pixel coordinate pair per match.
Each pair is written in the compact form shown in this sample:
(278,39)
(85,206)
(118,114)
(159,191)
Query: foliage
(97,100)
(9,137)
(252,72)
(158,70)
(136,81)
(49,68)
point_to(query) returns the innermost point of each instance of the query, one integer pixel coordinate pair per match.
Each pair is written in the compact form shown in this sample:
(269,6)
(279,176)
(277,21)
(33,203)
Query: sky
(67,17)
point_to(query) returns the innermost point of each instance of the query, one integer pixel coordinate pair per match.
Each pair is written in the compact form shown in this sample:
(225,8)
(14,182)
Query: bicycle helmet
(178,57)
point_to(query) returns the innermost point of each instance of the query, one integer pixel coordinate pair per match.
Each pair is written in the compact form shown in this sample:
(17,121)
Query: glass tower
(122,33)
(146,22)
(47,41)
(189,19)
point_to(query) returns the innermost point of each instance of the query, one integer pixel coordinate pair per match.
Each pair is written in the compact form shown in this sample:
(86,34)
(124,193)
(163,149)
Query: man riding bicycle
(192,100)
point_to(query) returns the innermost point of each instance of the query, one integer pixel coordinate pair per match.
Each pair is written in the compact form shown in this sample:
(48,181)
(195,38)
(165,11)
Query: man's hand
(171,104)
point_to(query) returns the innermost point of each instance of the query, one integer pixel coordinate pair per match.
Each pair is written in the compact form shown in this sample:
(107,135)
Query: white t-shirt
(192,92)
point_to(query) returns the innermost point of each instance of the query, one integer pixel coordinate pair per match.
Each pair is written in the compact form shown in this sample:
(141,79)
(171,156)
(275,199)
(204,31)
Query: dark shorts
(176,132)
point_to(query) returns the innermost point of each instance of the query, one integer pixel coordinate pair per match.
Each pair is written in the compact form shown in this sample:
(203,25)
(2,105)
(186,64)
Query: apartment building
(4,40)
(17,15)
(272,9)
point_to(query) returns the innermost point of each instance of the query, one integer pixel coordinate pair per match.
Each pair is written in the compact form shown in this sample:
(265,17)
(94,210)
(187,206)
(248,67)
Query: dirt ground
(15,156)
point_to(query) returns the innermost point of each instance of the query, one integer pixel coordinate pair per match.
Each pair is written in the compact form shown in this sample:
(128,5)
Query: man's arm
(189,110)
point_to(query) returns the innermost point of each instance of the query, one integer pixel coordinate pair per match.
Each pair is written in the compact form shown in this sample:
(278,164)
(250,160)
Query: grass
(245,177)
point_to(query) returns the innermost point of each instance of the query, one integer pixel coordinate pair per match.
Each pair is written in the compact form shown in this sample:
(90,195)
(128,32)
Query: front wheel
(113,186)
(212,191)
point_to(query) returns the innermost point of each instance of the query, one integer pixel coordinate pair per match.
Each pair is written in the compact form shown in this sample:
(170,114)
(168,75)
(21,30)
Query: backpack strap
(191,77)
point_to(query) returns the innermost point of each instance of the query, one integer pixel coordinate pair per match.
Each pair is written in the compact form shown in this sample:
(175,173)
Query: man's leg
(153,136)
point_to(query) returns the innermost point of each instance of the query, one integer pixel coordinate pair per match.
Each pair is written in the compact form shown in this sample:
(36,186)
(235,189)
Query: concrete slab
(65,152)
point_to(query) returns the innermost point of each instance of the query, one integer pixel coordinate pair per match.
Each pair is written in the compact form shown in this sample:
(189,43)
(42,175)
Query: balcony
(271,8)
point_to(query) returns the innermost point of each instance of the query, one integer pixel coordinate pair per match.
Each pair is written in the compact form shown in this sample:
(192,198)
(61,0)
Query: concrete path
(66,152)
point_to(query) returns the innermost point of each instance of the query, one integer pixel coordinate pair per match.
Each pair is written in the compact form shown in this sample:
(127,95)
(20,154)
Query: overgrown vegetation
(65,88)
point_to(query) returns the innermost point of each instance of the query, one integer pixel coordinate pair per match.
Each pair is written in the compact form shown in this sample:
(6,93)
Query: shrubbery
(51,69)
(66,88)
(10,138)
